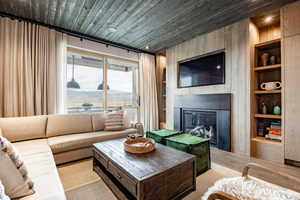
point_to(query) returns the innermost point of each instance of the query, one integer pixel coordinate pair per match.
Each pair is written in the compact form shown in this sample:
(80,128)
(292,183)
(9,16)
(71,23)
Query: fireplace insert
(205,116)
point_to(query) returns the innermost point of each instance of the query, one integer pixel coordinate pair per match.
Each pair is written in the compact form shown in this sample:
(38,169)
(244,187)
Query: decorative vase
(264,59)
(273,60)
(264,109)
(276,110)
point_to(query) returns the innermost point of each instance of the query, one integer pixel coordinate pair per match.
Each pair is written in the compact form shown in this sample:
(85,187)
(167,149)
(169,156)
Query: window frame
(105,58)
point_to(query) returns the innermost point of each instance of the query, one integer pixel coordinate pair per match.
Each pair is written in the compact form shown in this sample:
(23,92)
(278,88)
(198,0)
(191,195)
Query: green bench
(185,142)
(160,136)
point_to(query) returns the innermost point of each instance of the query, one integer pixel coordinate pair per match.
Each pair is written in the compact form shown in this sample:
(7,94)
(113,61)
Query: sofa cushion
(23,128)
(13,172)
(75,141)
(98,121)
(39,160)
(68,124)
(77,154)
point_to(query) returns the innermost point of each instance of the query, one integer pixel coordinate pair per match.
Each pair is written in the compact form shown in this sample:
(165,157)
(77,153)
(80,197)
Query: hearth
(205,116)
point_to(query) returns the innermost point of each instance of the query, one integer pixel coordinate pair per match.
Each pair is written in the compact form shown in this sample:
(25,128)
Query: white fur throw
(3,196)
(251,189)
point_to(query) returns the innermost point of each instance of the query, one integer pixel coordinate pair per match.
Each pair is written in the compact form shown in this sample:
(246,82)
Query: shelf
(262,139)
(267,91)
(268,43)
(268,67)
(267,116)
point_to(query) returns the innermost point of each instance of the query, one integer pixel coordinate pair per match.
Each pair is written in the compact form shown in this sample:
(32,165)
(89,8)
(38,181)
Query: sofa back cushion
(98,121)
(68,124)
(23,128)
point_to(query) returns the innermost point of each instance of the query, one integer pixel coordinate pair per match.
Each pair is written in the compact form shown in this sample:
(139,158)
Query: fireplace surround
(205,115)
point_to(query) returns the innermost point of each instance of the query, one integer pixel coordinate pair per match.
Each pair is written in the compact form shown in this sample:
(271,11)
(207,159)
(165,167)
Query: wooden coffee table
(163,174)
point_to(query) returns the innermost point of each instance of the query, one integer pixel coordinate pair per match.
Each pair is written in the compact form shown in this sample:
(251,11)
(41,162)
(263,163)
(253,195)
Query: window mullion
(105,69)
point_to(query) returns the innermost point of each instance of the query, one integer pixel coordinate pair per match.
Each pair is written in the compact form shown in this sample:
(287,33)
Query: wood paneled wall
(235,40)
(291,51)
(270,33)
(160,66)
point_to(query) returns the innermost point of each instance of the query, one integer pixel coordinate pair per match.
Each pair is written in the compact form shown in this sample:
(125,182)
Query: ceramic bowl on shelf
(271,85)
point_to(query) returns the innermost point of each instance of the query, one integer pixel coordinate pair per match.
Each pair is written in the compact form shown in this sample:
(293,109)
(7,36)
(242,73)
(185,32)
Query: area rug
(92,191)
(82,183)
(97,190)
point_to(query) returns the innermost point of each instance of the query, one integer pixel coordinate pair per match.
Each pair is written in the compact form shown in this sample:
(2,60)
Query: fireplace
(205,116)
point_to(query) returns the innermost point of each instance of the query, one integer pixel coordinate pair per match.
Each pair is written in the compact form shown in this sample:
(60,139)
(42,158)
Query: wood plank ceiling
(137,23)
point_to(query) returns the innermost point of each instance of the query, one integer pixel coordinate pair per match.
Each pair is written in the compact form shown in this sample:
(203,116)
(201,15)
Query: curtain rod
(77,34)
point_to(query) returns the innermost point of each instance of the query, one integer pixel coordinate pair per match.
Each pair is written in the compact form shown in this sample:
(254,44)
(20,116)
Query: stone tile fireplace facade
(206,115)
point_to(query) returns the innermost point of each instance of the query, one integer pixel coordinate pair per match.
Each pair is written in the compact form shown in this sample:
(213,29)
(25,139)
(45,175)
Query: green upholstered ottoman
(194,145)
(161,135)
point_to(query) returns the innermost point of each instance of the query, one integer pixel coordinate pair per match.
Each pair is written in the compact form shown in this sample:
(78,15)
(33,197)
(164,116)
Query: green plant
(87,105)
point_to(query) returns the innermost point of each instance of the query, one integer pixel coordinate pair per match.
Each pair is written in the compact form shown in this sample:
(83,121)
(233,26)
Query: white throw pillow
(115,121)
(13,172)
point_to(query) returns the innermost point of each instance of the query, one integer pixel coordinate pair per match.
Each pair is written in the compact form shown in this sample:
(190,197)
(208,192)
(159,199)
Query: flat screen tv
(201,71)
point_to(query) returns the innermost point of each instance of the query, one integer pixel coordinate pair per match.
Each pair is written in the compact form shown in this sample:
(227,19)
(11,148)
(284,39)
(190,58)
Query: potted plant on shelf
(87,106)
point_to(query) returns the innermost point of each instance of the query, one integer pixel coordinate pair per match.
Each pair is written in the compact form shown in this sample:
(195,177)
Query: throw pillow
(115,121)
(3,196)
(13,172)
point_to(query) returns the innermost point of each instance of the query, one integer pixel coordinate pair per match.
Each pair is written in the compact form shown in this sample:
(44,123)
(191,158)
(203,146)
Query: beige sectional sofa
(45,141)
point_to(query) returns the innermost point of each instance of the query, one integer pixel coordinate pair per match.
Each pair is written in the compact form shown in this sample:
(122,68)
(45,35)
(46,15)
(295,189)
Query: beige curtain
(148,92)
(30,62)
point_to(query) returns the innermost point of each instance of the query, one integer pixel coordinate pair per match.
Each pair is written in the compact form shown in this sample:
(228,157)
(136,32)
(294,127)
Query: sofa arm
(139,127)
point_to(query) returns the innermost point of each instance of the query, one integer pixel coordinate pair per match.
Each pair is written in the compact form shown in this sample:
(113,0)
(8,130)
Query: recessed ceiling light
(147,47)
(112,29)
(268,19)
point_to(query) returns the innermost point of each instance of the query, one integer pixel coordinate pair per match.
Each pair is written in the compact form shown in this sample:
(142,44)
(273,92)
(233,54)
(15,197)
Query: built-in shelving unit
(264,140)
(267,91)
(267,67)
(267,116)
(161,85)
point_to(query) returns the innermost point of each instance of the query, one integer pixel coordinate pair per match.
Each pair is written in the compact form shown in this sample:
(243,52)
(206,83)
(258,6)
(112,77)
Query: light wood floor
(237,162)
(81,183)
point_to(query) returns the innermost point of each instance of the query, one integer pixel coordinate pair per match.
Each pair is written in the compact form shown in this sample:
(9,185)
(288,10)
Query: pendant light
(101,86)
(73,83)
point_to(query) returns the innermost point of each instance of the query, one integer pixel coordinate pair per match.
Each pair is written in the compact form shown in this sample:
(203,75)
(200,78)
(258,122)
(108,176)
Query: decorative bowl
(139,145)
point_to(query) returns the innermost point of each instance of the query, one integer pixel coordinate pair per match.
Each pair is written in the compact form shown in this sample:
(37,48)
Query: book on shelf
(275,132)
(275,125)
(273,137)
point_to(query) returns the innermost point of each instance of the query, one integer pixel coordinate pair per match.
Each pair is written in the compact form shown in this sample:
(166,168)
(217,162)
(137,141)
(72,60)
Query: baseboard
(292,162)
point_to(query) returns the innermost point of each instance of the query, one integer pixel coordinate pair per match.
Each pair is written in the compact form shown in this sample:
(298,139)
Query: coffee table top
(142,166)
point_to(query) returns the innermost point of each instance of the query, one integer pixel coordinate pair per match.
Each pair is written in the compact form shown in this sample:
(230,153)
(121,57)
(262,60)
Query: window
(122,82)
(84,76)
(96,83)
